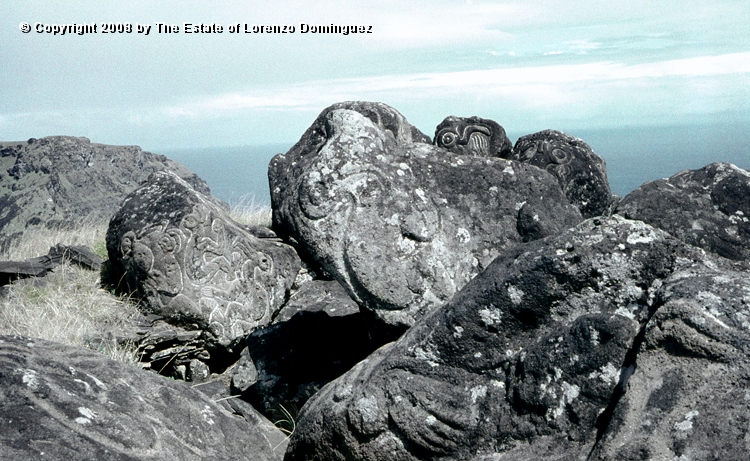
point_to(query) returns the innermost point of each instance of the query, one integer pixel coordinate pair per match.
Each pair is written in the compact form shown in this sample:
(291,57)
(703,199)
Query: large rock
(709,208)
(62,403)
(324,336)
(190,263)
(581,173)
(530,359)
(689,396)
(473,136)
(56,181)
(402,224)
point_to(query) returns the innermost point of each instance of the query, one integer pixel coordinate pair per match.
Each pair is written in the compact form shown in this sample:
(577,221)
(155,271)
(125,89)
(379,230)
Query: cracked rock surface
(612,340)
(400,223)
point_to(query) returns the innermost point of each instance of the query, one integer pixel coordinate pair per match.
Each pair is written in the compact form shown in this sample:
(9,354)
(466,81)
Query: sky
(531,65)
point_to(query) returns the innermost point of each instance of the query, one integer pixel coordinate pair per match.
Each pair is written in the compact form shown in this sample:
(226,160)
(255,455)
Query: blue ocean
(634,155)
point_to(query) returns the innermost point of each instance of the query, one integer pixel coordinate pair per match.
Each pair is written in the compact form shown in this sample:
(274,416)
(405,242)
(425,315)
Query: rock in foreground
(400,223)
(63,404)
(531,358)
(708,208)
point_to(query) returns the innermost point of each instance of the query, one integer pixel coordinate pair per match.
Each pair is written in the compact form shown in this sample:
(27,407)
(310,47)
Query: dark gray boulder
(530,359)
(63,403)
(581,173)
(402,224)
(689,395)
(187,261)
(55,181)
(473,136)
(324,336)
(708,208)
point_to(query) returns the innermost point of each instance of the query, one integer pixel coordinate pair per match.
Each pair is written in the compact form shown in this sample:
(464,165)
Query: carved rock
(530,358)
(708,208)
(403,225)
(473,136)
(581,173)
(188,262)
(64,404)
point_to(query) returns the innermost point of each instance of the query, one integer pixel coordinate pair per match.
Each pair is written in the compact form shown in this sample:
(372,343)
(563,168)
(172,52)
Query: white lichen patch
(427,354)
(420,193)
(607,373)
(594,333)
(509,170)
(477,355)
(569,393)
(208,415)
(457,331)
(368,408)
(498,384)
(687,424)
(463,235)
(87,415)
(430,420)
(640,237)
(29,378)
(490,315)
(515,294)
(478,392)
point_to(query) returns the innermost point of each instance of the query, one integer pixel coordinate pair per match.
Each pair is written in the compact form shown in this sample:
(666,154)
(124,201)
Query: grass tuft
(68,305)
(250,211)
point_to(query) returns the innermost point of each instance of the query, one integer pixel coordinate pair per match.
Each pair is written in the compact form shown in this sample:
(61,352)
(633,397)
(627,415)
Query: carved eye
(448,139)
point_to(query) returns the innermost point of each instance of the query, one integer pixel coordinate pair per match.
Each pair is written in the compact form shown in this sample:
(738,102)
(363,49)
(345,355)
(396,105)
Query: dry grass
(36,241)
(68,305)
(249,211)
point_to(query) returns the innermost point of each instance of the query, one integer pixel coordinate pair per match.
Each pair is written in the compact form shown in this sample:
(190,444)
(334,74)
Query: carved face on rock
(472,136)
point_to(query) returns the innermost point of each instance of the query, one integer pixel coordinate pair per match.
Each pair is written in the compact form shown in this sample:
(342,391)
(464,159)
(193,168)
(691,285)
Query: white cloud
(526,83)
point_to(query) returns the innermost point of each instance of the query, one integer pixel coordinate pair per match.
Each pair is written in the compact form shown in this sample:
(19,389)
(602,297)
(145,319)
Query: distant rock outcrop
(57,180)
(187,261)
(613,339)
(708,208)
(400,223)
(61,403)
(581,173)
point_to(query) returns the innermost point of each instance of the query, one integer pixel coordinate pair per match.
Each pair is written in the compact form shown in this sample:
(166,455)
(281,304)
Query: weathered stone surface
(473,136)
(55,181)
(193,265)
(529,360)
(62,403)
(324,336)
(689,396)
(581,173)
(39,266)
(403,225)
(708,208)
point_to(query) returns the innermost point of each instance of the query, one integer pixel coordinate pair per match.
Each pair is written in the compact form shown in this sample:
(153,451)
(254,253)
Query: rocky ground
(455,298)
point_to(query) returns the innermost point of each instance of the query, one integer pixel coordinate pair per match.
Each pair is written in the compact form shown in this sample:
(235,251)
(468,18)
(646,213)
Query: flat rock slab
(39,266)
(530,359)
(708,208)
(190,263)
(400,223)
(63,403)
